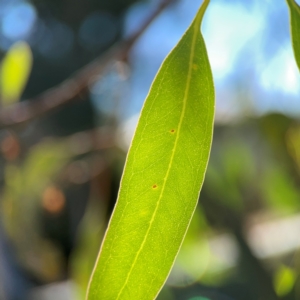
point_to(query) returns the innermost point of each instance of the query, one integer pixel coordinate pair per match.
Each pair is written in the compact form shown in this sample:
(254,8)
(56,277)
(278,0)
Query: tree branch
(75,86)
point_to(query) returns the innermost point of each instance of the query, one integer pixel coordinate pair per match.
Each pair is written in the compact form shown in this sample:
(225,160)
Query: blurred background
(73,78)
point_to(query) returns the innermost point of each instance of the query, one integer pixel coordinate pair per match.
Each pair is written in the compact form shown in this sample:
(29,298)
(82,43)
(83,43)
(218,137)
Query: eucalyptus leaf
(295,28)
(14,72)
(163,175)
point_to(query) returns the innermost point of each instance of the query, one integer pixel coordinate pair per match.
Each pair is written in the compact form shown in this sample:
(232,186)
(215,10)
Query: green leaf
(163,175)
(295,28)
(14,73)
(284,280)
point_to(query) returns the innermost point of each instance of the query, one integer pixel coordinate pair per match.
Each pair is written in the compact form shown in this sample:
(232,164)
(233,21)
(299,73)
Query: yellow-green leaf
(164,172)
(295,28)
(284,280)
(15,70)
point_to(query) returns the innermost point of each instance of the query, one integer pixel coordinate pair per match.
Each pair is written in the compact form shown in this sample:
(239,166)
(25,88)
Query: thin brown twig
(75,86)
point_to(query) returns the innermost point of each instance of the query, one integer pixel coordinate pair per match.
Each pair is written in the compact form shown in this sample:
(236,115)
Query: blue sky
(248,45)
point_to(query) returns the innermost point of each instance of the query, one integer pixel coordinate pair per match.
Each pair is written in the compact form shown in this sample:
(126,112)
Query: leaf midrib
(190,68)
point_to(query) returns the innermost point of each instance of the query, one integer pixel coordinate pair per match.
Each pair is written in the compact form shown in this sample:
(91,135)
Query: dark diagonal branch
(75,86)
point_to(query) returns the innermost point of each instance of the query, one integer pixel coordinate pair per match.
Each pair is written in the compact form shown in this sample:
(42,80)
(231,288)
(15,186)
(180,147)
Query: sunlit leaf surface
(14,72)
(295,28)
(163,175)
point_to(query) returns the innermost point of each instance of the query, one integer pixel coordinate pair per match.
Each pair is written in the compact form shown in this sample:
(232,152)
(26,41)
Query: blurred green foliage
(22,200)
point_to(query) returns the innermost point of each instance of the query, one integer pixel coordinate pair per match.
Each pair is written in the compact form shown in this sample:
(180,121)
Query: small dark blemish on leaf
(172,130)
(154,186)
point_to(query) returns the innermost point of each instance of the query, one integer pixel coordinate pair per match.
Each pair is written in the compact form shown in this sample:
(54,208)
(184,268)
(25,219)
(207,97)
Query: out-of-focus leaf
(90,233)
(293,144)
(163,175)
(15,70)
(279,189)
(21,201)
(295,28)
(284,280)
(230,172)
